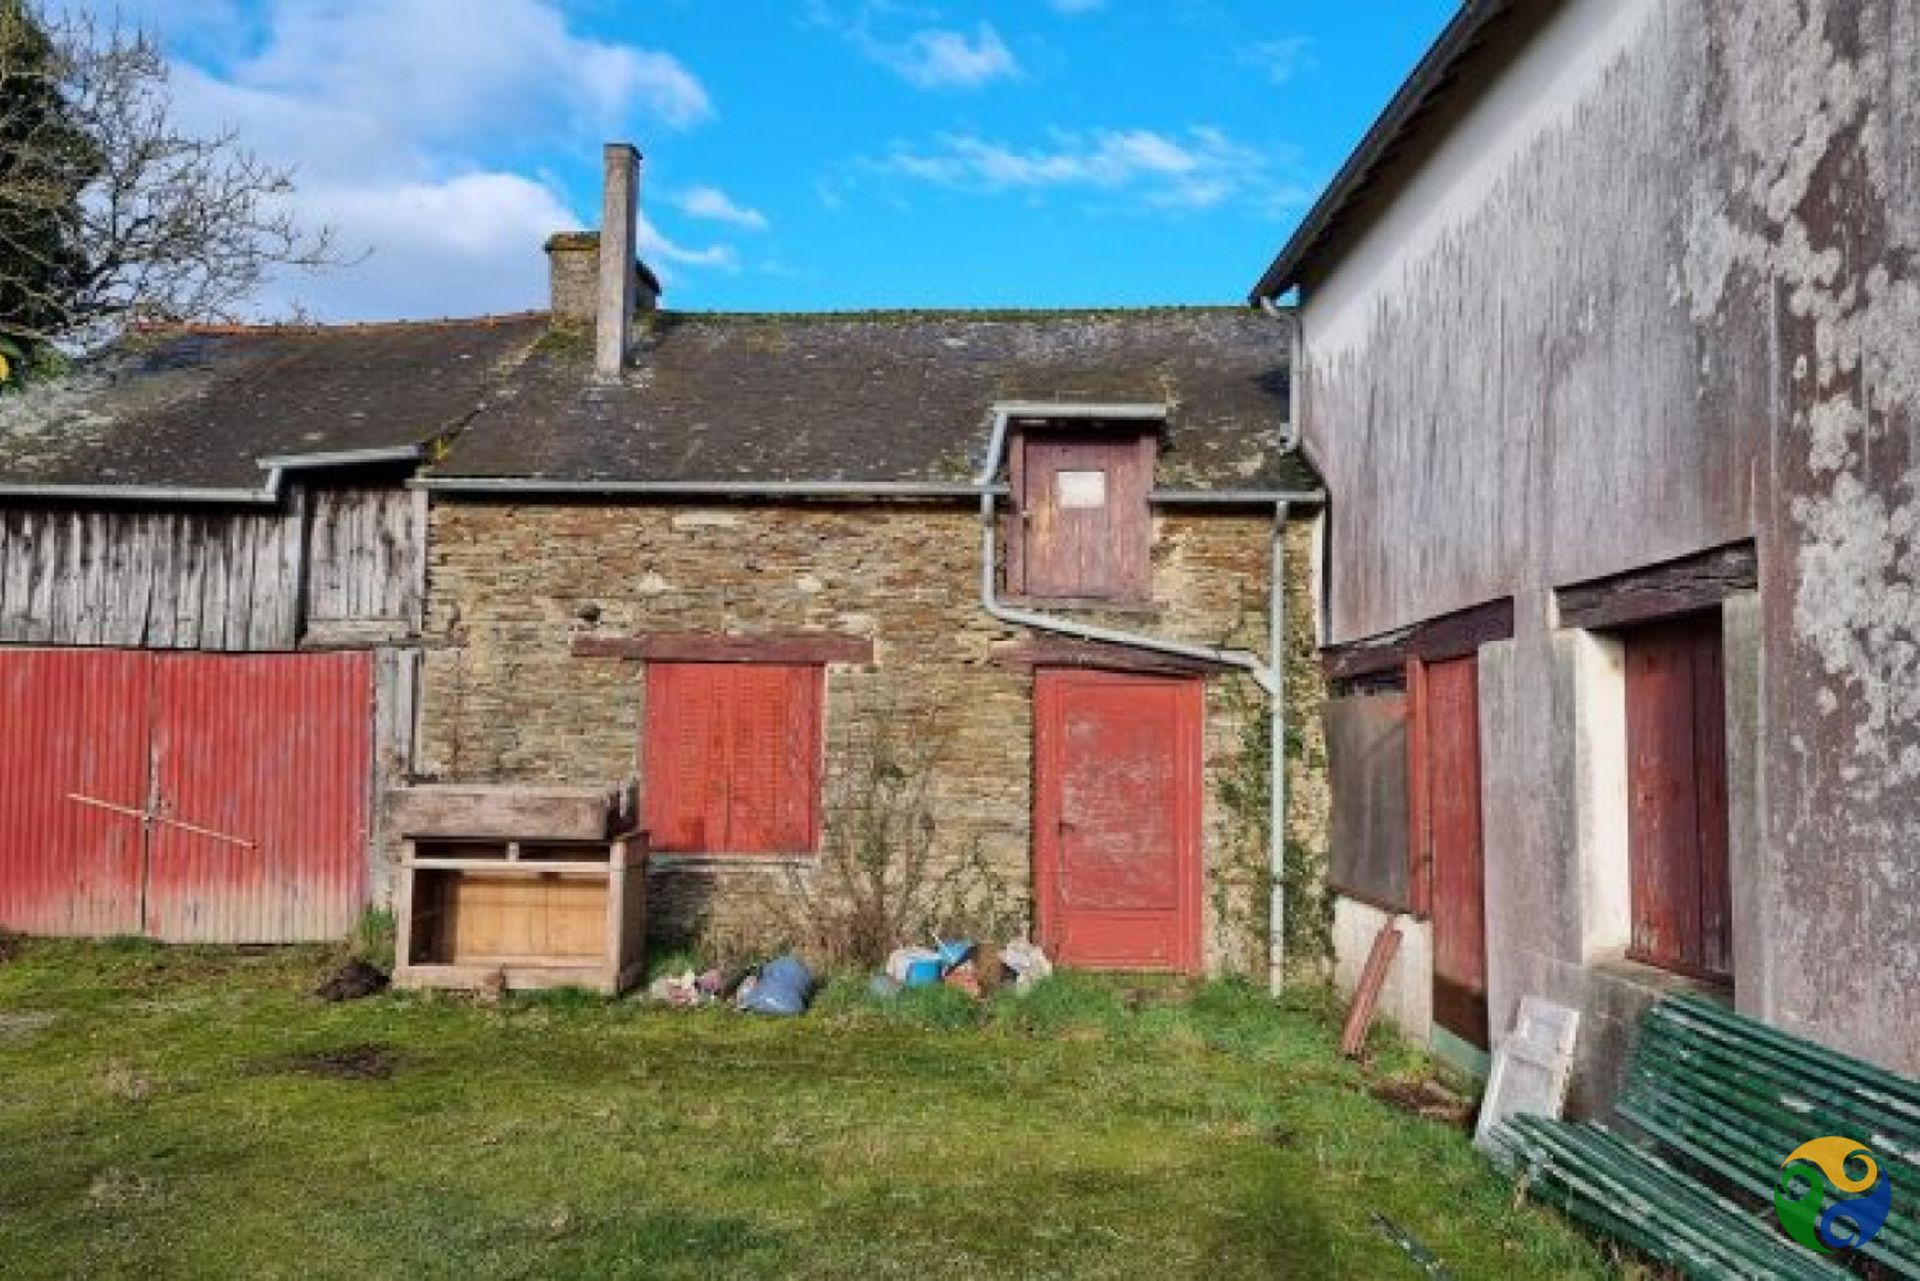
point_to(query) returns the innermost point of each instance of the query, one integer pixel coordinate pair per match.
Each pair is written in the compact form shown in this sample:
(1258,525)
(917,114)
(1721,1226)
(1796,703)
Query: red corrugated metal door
(270,749)
(75,725)
(1447,839)
(1677,797)
(109,760)
(1117,819)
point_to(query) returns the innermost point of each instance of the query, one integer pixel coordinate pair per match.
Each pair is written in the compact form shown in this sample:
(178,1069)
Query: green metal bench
(1712,1105)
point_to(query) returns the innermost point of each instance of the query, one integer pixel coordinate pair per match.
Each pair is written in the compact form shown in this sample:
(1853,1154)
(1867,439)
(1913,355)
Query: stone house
(725,552)
(1605,347)
(1037,557)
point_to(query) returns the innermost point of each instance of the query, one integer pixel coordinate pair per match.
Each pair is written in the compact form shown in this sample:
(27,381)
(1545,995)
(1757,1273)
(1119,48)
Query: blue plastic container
(925,971)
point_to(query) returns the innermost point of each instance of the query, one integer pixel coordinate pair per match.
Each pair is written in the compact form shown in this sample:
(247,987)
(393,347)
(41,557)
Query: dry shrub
(887,874)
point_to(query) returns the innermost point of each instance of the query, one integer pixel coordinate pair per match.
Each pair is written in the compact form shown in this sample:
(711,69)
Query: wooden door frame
(1049,683)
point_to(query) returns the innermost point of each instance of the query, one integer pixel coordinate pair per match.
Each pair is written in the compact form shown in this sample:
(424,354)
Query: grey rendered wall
(1656,291)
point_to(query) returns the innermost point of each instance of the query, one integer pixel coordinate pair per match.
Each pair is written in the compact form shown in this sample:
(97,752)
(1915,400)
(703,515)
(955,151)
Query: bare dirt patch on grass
(1427,1098)
(368,1061)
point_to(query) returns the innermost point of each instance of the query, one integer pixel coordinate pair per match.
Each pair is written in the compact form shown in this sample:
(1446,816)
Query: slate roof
(887,397)
(198,408)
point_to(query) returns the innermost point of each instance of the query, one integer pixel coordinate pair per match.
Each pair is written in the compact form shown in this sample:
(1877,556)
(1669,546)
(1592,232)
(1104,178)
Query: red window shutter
(686,756)
(732,757)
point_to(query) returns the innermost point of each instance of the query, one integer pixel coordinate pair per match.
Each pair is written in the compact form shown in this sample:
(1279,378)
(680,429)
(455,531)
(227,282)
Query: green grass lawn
(196,1113)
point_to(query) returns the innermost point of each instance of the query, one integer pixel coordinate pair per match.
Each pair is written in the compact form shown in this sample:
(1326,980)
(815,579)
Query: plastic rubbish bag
(1027,963)
(784,986)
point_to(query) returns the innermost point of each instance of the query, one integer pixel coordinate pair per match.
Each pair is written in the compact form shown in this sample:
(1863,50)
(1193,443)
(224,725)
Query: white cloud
(929,58)
(664,254)
(1282,60)
(715,205)
(403,119)
(462,246)
(1196,169)
(1072,7)
(936,59)
(454,77)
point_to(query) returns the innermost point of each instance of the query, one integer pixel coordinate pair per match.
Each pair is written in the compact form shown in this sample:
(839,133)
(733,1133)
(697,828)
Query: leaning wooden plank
(1366,996)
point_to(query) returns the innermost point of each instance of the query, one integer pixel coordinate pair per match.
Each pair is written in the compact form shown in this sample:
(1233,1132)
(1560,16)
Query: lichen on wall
(1665,298)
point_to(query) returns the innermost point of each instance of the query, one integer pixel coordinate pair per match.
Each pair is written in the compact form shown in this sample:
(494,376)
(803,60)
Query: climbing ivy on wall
(1246,791)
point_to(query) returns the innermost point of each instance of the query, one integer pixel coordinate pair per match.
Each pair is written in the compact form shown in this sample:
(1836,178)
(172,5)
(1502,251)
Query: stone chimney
(587,283)
(573,276)
(619,267)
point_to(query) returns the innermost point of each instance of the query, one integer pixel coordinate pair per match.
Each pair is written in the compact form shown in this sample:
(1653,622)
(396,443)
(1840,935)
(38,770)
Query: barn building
(1605,340)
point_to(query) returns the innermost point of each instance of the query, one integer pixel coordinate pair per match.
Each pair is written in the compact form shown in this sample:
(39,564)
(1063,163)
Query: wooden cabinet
(543,895)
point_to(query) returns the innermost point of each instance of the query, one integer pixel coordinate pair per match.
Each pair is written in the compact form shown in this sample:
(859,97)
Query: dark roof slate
(197,408)
(886,397)
(856,397)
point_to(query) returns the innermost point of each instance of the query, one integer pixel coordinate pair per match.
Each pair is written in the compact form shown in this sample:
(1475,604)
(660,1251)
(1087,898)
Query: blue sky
(801,154)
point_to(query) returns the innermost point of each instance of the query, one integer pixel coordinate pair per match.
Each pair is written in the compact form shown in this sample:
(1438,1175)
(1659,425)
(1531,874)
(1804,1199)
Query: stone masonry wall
(511,585)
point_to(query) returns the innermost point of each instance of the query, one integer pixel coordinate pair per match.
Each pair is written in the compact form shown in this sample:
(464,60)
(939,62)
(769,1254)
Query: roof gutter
(1428,78)
(343,458)
(267,495)
(275,465)
(822,489)
(698,488)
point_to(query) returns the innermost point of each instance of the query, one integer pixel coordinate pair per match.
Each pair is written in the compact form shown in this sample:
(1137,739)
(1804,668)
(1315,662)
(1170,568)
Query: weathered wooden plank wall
(364,552)
(332,565)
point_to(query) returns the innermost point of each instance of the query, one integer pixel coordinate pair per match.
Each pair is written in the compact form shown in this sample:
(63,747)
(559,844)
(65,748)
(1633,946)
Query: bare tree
(153,224)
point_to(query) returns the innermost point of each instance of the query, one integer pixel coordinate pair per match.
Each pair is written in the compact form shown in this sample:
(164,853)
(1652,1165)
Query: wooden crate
(553,913)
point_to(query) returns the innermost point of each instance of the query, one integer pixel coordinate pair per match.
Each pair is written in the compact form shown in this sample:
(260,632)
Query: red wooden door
(1083,514)
(1677,797)
(1447,839)
(270,749)
(1117,819)
(74,725)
